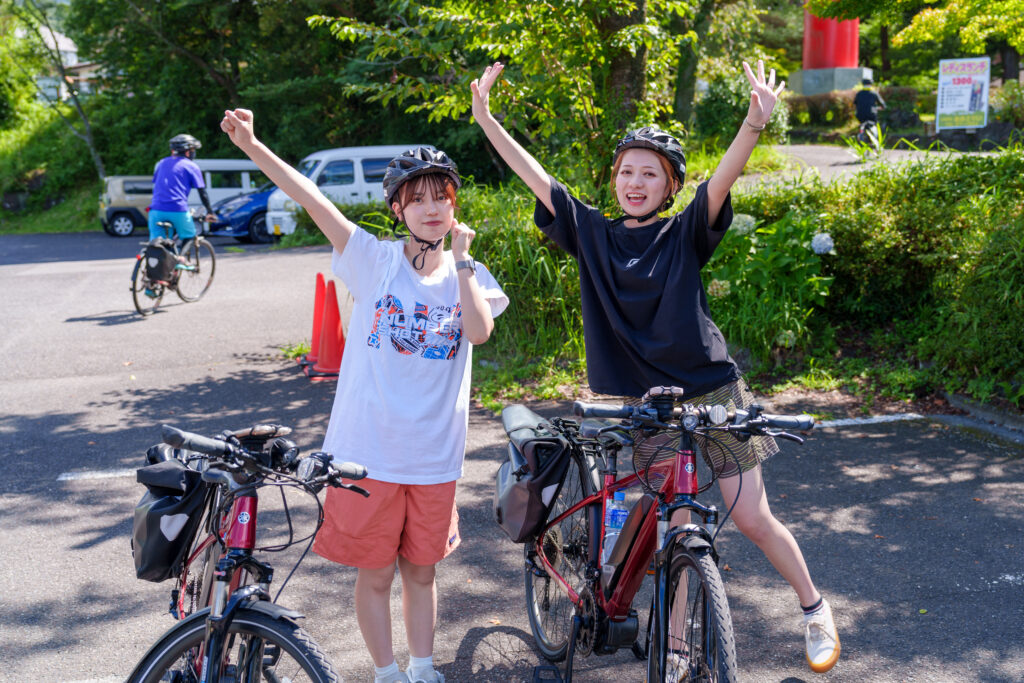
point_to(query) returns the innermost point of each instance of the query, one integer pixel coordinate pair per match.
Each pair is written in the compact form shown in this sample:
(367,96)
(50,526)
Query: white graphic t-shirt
(401,408)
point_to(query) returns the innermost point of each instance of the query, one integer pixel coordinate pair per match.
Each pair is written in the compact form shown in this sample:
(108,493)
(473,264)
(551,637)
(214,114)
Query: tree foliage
(577,72)
(976,22)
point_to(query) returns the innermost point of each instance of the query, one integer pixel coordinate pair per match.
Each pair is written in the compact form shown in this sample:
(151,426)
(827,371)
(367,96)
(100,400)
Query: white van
(346,175)
(226,178)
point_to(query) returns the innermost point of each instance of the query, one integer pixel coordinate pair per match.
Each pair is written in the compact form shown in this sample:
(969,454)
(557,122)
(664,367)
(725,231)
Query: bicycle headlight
(690,422)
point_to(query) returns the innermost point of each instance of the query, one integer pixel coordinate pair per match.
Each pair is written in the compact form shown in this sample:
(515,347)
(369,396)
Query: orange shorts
(418,522)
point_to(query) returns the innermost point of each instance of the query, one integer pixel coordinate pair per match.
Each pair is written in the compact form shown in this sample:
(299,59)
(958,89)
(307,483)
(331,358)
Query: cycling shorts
(184,227)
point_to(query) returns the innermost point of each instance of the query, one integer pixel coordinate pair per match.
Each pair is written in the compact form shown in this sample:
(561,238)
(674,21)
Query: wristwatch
(468,263)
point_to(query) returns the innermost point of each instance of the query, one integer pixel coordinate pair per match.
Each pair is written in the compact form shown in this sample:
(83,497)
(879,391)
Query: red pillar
(830,43)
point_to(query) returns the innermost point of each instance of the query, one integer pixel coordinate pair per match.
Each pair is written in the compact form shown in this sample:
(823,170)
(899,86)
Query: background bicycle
(198,524)
(163,264)
(580,583)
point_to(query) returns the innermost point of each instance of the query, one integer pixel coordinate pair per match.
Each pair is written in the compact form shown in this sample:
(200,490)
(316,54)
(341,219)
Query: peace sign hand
(763,96)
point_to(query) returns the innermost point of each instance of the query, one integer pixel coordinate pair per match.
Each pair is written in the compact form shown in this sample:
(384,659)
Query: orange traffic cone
(318,313)
(332,340)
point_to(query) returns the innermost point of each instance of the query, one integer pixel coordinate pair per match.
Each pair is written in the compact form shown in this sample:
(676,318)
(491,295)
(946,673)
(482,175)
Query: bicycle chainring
(588,629)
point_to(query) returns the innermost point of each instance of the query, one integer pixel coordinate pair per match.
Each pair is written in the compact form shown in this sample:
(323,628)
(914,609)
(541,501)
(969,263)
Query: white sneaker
(432,676)
(399,677)
(822,639)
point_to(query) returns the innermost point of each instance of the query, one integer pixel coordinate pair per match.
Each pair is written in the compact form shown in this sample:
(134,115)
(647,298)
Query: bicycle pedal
(546,672)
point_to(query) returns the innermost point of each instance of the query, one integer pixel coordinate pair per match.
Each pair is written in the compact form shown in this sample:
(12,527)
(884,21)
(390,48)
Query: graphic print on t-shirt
(434,333)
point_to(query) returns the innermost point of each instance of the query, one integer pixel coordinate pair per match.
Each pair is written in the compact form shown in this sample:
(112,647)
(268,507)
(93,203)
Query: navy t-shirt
(173,178)
(645,315)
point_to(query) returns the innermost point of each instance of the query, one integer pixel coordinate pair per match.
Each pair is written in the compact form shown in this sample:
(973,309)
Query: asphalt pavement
(912,529)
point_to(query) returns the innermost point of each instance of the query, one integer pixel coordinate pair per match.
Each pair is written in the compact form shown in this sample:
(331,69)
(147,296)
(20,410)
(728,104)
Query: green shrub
(765,284)
(1008,103)
(980,331)
(900,107)
(720,112)
(833,109)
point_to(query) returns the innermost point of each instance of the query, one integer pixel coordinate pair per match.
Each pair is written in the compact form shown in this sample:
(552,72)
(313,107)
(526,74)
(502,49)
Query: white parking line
(96,474)
(853,421)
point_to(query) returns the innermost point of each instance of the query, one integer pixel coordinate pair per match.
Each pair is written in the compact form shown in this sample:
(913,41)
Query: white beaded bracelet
(753,126)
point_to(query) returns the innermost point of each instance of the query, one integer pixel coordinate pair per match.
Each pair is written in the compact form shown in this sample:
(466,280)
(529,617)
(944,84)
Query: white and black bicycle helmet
(417,162)
(183,143)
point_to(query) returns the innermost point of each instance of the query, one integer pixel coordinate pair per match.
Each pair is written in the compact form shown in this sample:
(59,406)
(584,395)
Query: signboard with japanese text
(963,93)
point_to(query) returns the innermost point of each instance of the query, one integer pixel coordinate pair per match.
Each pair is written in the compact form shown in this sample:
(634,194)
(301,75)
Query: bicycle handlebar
(178,438)
(582,409)
(710,416)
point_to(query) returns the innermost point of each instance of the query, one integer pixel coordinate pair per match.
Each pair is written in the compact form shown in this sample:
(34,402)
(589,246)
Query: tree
(978,23)
(37,23)
(578,72)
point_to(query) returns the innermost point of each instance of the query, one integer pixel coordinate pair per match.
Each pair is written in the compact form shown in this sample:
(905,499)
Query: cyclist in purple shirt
(173,178)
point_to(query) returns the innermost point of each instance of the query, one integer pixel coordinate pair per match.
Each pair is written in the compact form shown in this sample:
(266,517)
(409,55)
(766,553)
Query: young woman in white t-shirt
(401,406)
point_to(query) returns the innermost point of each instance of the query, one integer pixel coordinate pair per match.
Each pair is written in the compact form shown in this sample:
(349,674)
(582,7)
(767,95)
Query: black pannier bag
(160,259)
(166,518)
(528,482)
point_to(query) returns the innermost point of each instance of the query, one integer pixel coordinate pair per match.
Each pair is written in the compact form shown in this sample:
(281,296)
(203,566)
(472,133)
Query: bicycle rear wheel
(258,648)
(145,294)
(566,546)
(196,274)
(700,645)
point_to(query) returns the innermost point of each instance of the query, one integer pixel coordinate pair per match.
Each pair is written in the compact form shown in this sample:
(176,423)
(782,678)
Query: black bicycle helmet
(417,162)
(659,141)
(665,145)
(183,143)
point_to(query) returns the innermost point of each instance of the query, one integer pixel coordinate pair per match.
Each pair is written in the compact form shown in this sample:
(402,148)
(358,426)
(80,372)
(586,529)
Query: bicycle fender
(272,609)
(696,544)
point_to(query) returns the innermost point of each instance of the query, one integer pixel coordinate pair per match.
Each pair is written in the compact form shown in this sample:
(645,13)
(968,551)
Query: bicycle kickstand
(540,673)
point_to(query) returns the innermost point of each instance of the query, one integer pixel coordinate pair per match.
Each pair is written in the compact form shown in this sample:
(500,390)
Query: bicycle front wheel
(258,648)
(566,546)
(145,294)
(196,274)
(699,645)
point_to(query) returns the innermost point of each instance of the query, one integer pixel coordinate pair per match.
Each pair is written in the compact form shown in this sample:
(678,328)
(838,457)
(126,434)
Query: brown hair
(666,168)
(428,182)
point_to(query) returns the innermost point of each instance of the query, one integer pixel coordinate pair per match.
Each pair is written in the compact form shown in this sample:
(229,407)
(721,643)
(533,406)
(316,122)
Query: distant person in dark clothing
(868,102)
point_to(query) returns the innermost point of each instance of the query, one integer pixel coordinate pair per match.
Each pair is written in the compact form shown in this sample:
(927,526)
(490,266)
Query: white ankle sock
(420,665)
(386,674)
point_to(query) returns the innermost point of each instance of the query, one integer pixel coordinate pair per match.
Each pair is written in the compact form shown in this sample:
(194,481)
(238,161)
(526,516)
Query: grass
(79,212)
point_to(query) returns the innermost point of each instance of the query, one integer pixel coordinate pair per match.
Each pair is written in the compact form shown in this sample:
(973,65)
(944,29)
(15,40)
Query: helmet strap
(419,260)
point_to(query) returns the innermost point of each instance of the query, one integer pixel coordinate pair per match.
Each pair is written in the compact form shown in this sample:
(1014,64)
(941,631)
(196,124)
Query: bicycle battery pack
(627,536)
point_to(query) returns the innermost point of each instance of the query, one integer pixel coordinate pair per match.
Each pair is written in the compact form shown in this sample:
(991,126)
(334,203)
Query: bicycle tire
(145,304)
(707,640)
(197,275)
(174,657)
(568,547)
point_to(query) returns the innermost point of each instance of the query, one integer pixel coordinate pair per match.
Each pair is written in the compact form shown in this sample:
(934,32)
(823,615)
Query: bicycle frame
(653,538)
(237,529)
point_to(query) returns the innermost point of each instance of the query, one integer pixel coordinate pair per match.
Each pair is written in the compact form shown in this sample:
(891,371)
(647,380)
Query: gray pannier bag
(528,481)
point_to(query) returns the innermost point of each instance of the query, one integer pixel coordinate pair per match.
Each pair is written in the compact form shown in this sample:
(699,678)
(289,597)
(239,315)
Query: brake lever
(784,435)
(357,489)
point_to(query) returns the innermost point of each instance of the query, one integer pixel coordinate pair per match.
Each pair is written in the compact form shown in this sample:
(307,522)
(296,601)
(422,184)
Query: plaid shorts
(726,455)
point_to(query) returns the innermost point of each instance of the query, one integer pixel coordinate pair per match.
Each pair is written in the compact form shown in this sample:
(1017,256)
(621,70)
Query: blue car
(244,216)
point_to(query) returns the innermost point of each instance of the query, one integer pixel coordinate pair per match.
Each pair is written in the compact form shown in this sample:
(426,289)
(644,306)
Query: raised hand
(238,125)
(481,88)
(763,95)
(462,237)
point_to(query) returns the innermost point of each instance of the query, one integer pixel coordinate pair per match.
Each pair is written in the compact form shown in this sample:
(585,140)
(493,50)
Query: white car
(346,175)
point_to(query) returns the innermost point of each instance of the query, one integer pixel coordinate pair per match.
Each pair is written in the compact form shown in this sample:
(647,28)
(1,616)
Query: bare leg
(754,518)
(419,606)
(373,612)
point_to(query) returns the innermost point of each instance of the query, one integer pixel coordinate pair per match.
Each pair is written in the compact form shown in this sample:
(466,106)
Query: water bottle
(614,519)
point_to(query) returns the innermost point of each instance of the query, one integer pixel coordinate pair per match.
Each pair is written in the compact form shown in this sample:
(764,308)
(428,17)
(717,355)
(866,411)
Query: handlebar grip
(600,410)
(349,470)
(800,423)
(194,442)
